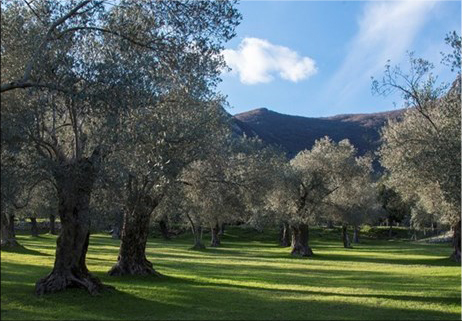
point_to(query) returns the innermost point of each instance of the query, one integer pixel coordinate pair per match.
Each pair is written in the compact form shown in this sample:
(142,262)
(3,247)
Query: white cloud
(386,31)
(258,61)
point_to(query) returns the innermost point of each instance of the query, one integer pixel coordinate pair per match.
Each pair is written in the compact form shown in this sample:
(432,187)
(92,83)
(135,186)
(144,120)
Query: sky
(316,58)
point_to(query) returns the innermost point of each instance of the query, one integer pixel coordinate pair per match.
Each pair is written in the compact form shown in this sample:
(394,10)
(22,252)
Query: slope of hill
(296,133)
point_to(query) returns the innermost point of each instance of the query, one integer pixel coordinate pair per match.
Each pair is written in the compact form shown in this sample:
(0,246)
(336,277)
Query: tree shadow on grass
(168,297)
(393,261)
(21,249)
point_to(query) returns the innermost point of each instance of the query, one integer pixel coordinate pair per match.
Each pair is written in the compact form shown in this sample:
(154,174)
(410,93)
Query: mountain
(296,133)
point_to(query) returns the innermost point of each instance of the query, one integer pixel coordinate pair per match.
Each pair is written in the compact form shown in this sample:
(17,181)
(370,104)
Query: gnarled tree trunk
(132,253)
(356,234)
(164,229)
(456,243)
(284,236)
(215,238)
(33,226)
(300,238)
(8,238)
(74,183)
(52,224)
(345,237)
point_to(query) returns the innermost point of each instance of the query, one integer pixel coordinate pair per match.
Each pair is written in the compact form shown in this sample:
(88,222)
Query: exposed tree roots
(130,267)
(59,281)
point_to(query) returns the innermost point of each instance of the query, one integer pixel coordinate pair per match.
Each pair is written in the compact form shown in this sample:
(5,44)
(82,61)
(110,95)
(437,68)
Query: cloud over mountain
(259,61)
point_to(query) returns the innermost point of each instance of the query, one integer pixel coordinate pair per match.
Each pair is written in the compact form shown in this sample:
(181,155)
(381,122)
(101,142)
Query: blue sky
(316,58)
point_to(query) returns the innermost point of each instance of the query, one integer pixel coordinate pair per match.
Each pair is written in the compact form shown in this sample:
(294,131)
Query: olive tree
(356,201)
(422,150)
(304,187)
(163,141)
(227,185)
(69,72)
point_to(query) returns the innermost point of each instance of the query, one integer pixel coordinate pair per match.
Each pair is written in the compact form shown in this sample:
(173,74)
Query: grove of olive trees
(111,119)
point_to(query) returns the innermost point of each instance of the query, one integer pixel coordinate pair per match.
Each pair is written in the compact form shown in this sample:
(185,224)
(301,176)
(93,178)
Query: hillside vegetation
(296,133)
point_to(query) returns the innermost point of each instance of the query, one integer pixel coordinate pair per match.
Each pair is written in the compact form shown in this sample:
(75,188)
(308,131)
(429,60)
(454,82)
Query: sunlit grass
(249,277)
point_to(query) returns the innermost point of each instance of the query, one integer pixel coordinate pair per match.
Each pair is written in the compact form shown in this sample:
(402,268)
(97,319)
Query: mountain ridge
(295,133)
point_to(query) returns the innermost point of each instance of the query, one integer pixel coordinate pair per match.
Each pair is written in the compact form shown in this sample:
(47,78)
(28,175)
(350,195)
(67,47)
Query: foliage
(326,182)
(415,148)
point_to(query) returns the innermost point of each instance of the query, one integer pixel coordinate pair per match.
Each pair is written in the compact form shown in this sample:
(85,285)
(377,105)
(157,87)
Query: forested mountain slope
(296,133)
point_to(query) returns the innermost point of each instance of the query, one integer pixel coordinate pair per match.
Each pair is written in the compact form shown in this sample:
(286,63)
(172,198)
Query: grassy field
(249,277)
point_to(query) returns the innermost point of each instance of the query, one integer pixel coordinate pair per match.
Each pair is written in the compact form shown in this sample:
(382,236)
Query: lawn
(249,277)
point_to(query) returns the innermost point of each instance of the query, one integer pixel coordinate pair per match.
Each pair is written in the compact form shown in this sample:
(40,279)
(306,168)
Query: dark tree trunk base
(356,235)
(198,246)
(34,228)
(346,238)
(52,225)
(133,268)
(215,242)
(300,238)
(302,251)
(455,256)
(456,243)
(59,281)
(9,243)
(164,230)
(284,235)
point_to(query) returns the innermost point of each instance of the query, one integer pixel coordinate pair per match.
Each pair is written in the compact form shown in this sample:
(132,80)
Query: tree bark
(284,237)
(164,229)
(74,186)
(11,226)
(390,230)
(33,226)
(215,242)
(456,243)
(132,253)
(222,229)
(300,237)
(197,233)
(356,234)
(8,238)
(345,237)
(52,224)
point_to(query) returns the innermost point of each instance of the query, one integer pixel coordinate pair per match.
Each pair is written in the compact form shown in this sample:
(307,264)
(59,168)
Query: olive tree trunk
(197,233)
(74,186)
(284,235)
(356,234)
(196,229)
(300,237)
(164,229)
(222,229)
(52,224)
(33,226)
(456,242)
(345,237)
(135,230)
(11,225)
(8,237)
(215,242)
(390,230)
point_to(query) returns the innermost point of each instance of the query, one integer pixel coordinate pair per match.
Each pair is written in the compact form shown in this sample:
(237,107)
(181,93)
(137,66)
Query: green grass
(249,277)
